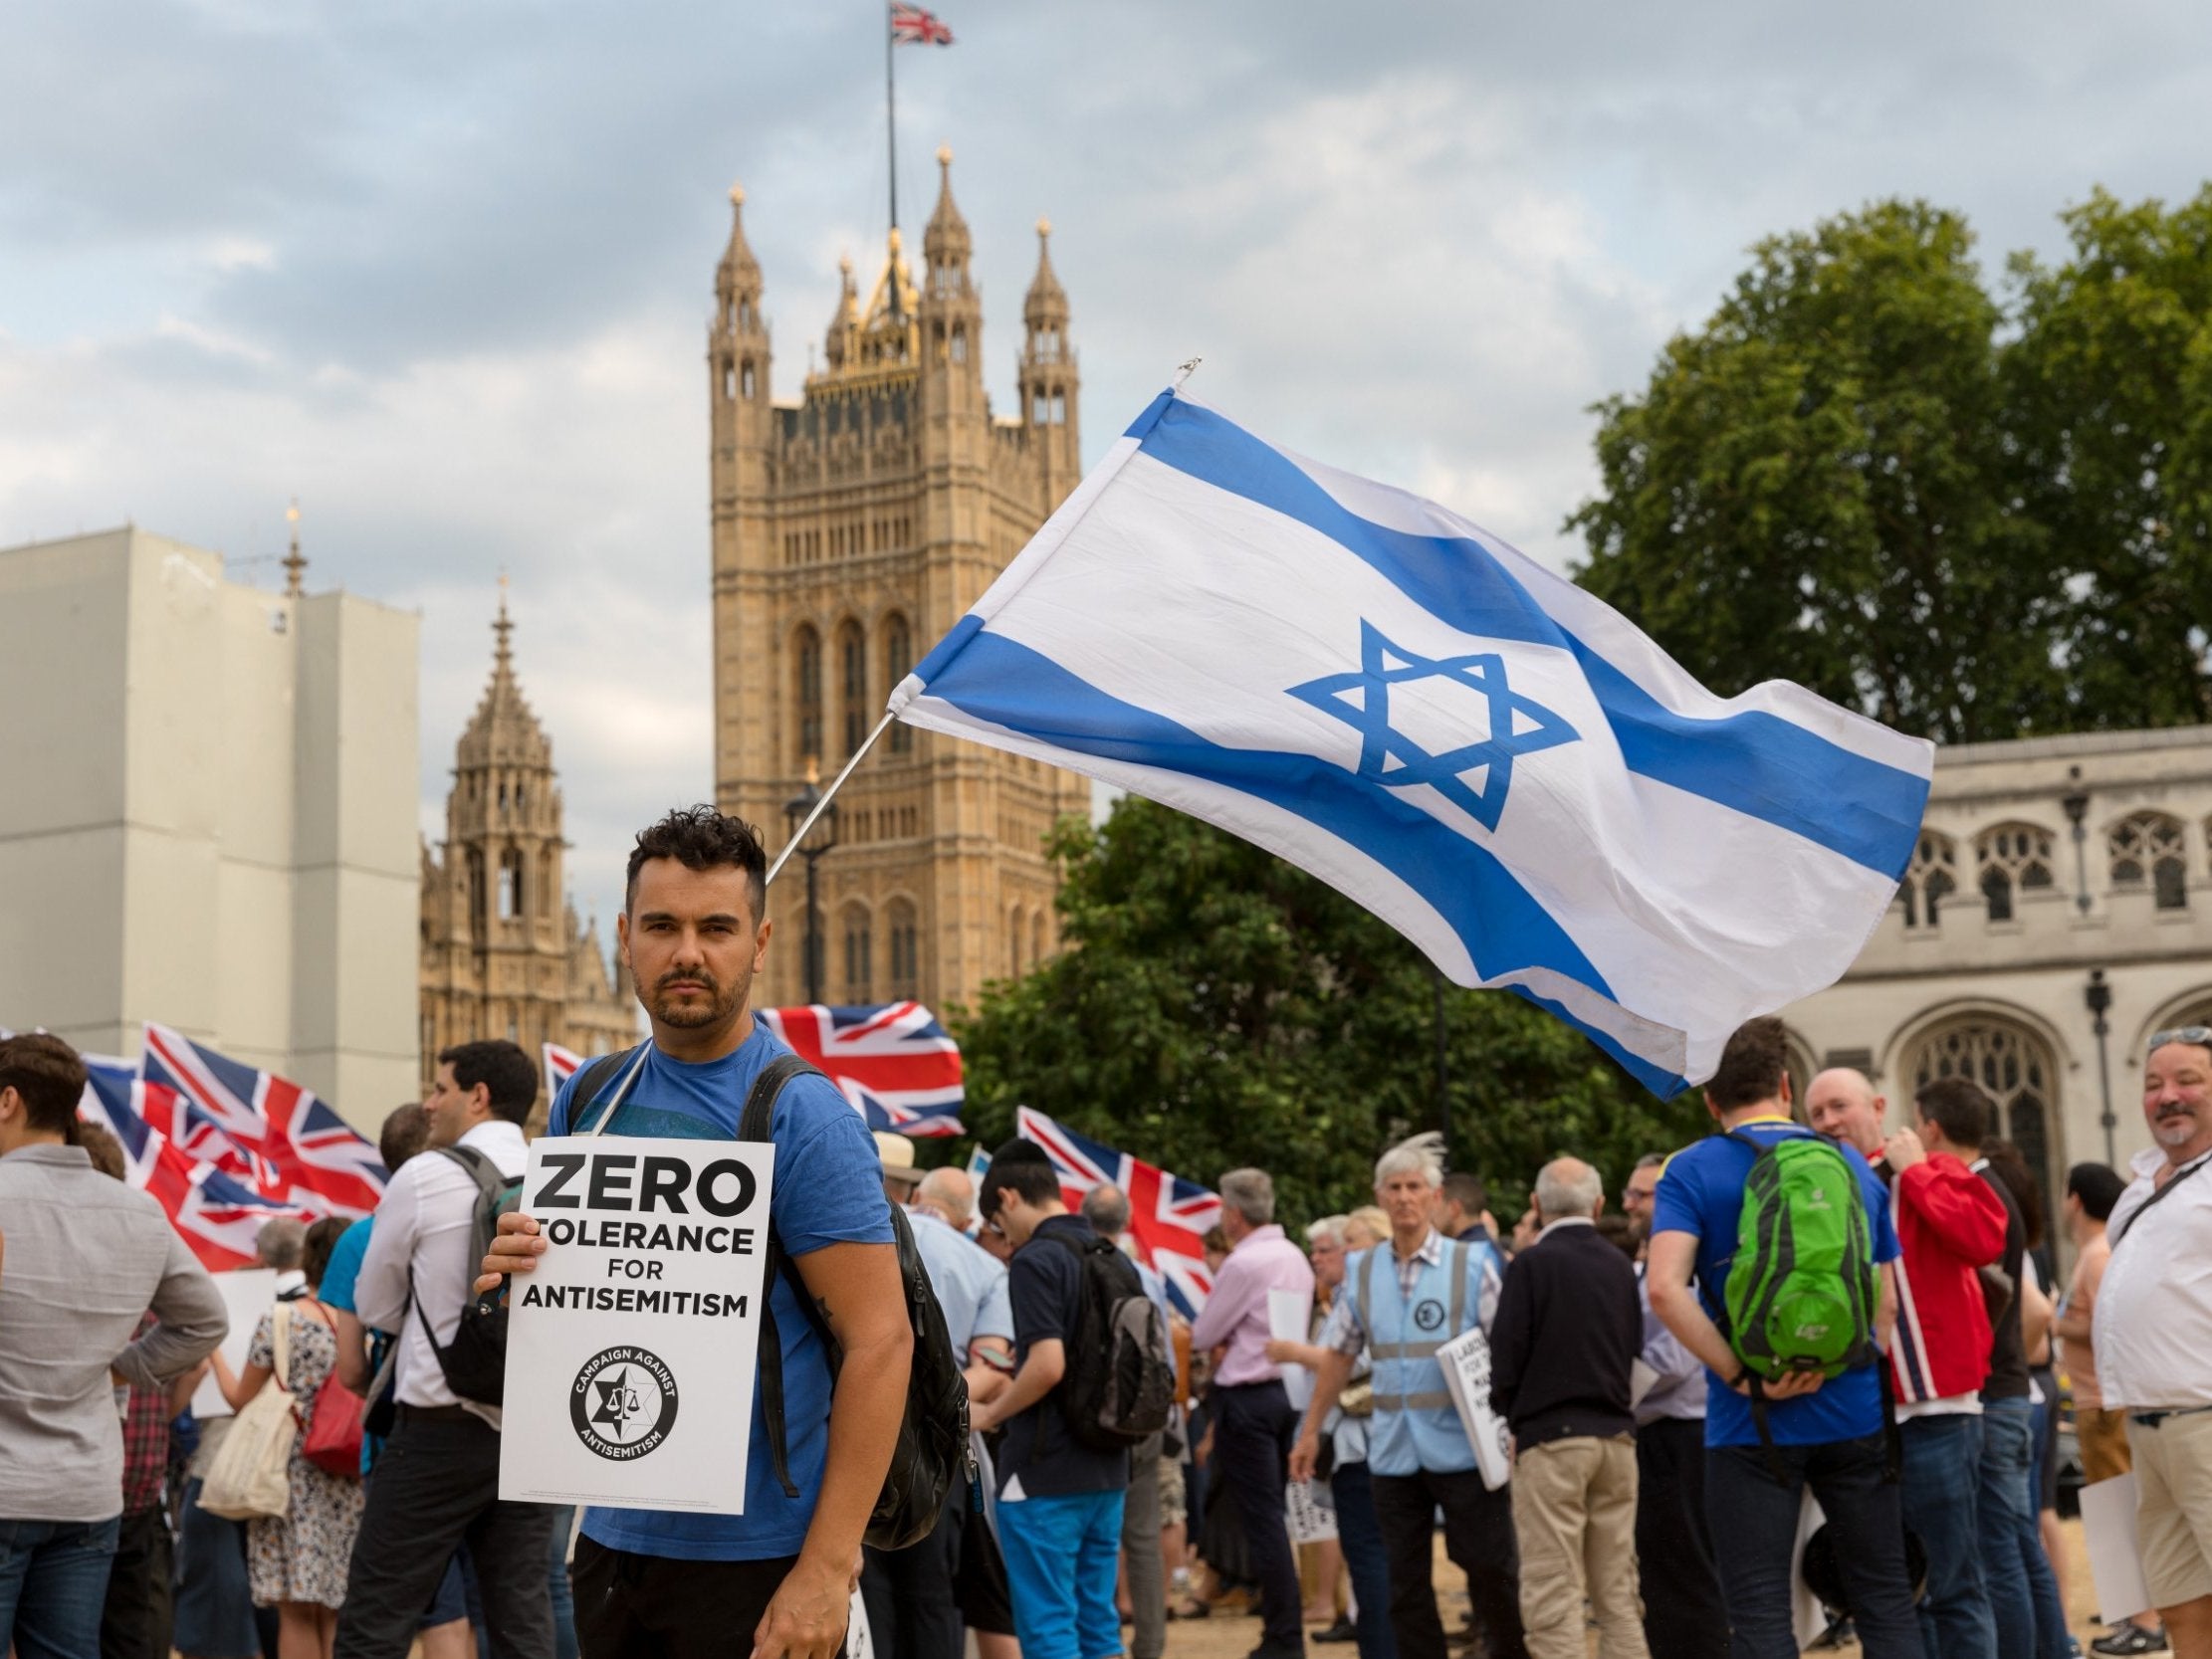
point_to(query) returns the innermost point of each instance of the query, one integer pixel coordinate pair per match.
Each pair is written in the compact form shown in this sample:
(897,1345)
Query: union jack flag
(215,1213)
(260,1129)
(561,1064)
(912,26)
(1168,1215)
(895,1063)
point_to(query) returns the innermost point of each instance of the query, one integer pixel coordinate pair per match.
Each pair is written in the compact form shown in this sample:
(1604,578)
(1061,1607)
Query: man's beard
(2175,1129)
(691,1017)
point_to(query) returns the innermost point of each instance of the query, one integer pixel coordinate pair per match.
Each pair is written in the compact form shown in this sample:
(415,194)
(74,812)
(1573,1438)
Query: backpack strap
(754,1123)
(584,1093)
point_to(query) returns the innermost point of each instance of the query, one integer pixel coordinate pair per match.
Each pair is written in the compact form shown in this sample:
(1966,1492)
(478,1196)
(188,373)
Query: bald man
(1568,1330)
(951,1196)
(1843,1105)
(1949,1225)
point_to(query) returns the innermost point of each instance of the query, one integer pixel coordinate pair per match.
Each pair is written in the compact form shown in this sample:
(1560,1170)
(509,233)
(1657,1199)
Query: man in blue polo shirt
(775,1581)
(1827,1435)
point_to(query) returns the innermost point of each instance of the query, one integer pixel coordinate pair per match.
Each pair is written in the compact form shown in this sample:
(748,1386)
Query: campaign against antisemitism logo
(1429,1315)
(1518,724)
(623,1402)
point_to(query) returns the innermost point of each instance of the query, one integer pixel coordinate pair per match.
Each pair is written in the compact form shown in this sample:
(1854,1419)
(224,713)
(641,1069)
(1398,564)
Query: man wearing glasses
(2152,1332)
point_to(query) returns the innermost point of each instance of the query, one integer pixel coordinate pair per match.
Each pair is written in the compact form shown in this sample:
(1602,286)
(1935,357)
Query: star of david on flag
(1489,758)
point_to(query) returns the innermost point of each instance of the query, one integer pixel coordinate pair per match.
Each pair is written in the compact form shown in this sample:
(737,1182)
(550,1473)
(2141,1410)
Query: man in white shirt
(2152,1332)
(437,1482)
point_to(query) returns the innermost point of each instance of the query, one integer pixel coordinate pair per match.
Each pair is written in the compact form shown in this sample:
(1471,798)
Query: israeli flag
(1479,752)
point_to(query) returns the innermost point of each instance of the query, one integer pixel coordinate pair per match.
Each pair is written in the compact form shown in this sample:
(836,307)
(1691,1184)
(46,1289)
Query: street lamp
(2098,997)
(819,840)
(2077,805)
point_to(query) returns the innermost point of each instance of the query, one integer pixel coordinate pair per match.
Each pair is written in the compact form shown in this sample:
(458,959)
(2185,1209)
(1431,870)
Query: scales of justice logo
(623,1402)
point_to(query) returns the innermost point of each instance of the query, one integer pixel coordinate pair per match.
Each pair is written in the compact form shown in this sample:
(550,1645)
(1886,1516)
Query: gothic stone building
(851,532)
(2060,885)
(502,952)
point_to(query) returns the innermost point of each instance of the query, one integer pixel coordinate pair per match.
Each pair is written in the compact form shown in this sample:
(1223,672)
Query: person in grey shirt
(85,1259)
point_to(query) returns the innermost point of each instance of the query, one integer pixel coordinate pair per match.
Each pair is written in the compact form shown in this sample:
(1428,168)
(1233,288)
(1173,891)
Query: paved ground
(1233,1638)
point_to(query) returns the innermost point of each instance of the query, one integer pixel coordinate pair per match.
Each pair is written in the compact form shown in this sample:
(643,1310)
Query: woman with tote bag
(296,1562)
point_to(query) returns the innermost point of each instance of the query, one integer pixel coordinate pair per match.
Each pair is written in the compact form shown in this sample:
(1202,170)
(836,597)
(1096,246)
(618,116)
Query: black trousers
(1684,1615)
(912,1594)
(436,1489)
(1253,1431)
(652,1607)
(1478,1535)
(136,1623)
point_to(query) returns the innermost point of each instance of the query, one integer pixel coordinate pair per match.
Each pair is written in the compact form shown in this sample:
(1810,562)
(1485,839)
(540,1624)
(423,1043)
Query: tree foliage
(1970,516)
(1213,1007)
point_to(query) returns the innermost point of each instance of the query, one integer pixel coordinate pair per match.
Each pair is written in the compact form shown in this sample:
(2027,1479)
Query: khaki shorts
(2102,1436)
(1174,1503)
(2173,1512)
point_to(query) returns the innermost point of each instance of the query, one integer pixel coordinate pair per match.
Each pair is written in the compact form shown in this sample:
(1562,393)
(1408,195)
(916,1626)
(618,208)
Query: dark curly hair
(700,838)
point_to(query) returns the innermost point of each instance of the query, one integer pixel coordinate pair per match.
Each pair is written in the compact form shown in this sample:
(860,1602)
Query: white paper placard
(1312,1517)
(248,1292)
(1465,1361)
(1289,1320)
(628,1343)
(2115,1562)
(860,1640)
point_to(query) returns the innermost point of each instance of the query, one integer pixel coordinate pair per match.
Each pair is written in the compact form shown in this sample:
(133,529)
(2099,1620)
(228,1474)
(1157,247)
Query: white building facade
(2060,885)
(208,815)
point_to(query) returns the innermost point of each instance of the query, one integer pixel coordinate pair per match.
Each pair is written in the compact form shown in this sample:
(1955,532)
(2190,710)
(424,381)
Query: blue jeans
(1754,1522)
(556,1583)
(2014,1566)
(1942,1469)
(1062,1556)
(1360,1536)
(54,1584)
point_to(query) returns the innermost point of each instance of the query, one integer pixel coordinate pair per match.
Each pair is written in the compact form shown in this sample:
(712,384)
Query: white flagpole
(837,783)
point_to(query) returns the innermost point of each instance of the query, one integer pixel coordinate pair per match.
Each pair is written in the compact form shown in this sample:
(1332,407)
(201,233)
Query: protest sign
(1466,1374)
(1288,1314)
(1311,1512)
(2116,1564)
(631,1349)
(247,1293)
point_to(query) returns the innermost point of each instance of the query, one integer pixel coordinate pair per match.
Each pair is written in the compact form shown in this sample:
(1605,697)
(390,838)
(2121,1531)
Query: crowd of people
(1605,1421)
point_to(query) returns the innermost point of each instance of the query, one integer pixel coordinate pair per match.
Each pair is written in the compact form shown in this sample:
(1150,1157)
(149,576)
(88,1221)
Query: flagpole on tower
(891,124)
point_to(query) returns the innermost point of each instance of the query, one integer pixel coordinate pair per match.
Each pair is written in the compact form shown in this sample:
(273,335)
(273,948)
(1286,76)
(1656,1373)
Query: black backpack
(933,1434)
(1120,1382)
(475,1362)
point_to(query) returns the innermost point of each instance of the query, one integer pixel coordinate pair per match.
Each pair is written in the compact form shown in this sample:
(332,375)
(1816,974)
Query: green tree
(1215,1007)
(2110,387)
(1813,487)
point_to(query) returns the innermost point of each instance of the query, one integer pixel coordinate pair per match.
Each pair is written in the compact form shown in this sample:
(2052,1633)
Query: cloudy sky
(441,270)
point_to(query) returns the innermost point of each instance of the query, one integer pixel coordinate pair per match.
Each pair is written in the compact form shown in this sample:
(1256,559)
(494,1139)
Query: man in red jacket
(1949,1225)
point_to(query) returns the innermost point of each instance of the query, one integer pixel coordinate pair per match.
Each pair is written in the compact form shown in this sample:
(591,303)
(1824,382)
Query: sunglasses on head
(2197,1036)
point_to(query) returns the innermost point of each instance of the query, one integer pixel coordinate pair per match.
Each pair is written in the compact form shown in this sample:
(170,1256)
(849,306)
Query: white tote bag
(249,1478)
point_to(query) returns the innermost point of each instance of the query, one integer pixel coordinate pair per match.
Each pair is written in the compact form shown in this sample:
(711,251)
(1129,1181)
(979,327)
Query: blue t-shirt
(828,1189)
(336,1289)
(1701,1192)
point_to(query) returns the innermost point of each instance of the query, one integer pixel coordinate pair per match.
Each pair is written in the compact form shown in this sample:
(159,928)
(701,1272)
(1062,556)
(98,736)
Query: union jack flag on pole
(912,26)
(894,1062)
(1168,1216)
(561,1064)
(258,1128)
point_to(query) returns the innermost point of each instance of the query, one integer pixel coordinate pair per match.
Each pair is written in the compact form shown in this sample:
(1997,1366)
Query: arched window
(1036,938)
(2019,1073)
(2152,848)
(959,345)
(728,381)
(1014,943)
(808,693)
(859,955)
(2011,859)
(905,943)
(510,885)
(897,663)
(1931,878)
(476,893)
(852,654)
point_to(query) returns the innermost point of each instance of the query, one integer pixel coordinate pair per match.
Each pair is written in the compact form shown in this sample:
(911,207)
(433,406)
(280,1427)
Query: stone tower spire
(503,818)
(952,308)
(741,422)
(1048,375)
(295,562)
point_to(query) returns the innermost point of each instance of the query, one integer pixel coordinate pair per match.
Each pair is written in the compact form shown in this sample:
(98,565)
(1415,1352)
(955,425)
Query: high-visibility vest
(1415,1425)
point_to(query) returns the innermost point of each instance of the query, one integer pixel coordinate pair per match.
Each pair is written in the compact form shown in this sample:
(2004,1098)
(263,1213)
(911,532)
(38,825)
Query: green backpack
(1801,1293)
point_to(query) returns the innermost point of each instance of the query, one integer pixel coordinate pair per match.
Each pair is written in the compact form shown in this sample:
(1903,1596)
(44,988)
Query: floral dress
(304,1557)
